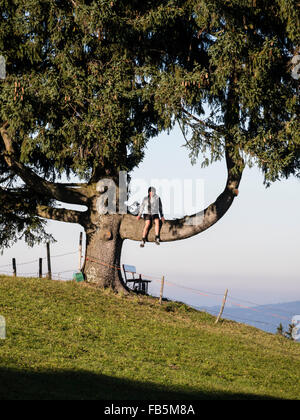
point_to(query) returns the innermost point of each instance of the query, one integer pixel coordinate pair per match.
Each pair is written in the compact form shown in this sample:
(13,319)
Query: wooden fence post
(14,264)
(80,250)
(41,268)
(223,306)
(161,290)
(49,275)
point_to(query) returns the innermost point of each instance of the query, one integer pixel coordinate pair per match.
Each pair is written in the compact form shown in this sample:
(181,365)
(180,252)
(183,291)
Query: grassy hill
(70,341)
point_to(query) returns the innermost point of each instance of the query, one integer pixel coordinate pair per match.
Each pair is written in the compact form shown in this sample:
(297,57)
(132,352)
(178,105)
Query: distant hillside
(71,341)
(264,317)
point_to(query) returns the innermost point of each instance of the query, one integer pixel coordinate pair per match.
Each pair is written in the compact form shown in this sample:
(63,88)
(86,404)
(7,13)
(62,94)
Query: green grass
(70,341)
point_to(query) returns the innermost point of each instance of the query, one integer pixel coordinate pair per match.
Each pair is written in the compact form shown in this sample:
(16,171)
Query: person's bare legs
(145,232)
(157,231)
(146,228)
(157,226)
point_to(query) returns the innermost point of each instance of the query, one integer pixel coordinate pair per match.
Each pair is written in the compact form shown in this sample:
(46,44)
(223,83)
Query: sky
(253,250)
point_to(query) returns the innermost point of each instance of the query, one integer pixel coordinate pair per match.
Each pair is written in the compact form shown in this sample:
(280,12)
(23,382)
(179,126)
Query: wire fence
(66,275)
(54,275)
(233,302)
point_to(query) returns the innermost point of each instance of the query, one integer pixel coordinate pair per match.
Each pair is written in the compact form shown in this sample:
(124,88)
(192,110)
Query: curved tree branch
(60,192)
(61,215)
(189,226)
(18,200)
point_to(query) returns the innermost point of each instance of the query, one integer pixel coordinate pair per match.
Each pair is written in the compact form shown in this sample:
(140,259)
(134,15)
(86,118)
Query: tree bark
(103,252)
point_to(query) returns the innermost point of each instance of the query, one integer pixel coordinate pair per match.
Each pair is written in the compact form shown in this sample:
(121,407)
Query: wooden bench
(138,283)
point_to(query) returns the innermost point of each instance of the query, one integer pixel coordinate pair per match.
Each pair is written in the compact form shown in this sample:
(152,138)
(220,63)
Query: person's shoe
(157,240)
(143,243)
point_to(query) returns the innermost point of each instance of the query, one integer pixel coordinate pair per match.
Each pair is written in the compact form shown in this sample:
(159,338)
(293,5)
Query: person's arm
(161,210)
(142,206)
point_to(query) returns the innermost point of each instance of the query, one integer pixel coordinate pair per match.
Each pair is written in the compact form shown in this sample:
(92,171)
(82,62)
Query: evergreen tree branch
(188,226)
(20,203)
(60,192)
(61,215)
(218,128)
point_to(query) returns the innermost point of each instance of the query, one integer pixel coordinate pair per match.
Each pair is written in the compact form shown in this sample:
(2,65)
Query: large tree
(88,83)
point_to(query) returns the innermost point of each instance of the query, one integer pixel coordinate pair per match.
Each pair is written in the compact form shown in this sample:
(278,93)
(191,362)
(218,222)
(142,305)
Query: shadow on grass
(82,385)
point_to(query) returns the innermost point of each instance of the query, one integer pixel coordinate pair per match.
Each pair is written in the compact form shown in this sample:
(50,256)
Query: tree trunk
(103,252)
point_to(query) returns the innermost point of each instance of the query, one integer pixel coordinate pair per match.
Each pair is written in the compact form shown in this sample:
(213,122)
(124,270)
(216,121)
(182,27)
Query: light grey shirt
(151,206)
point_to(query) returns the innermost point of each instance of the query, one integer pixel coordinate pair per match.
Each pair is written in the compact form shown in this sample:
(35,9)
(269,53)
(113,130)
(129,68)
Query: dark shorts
(151,217)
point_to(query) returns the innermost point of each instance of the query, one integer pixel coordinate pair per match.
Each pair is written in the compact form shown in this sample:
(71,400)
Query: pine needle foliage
(90,82)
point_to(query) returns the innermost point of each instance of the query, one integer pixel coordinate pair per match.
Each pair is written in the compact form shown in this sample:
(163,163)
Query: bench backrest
(129,268)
